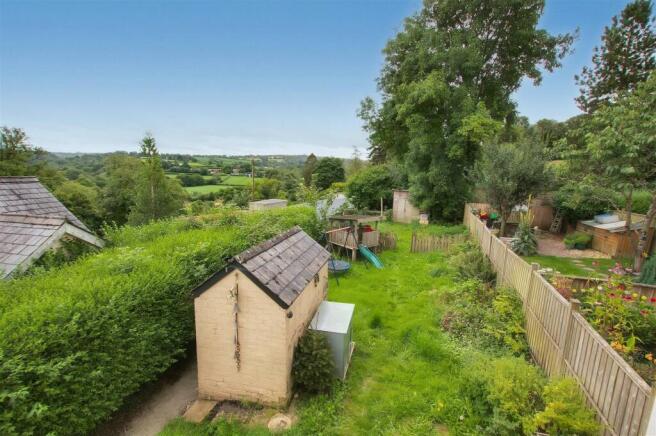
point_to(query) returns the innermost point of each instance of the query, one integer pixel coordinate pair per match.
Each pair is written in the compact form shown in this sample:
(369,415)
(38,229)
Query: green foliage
(509,173)
(82,201)
(469,262)
(366,188)
(485,317)
(437,70)
(328,171)
(156,196)
(77,340)
(504,393)
(577,240)
(648,272)
(308,169)
(67,251)
(565,411)
(313,366)
(118,194)
(525,243)
(581,200)
(505,321)
(626,58)
(266,188)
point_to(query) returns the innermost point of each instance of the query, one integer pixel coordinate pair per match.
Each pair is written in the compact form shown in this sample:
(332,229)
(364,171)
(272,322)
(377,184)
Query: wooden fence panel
(562,342)
(427,243)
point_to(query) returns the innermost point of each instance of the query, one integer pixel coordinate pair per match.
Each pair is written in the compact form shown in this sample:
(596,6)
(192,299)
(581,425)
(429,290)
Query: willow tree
(449,57)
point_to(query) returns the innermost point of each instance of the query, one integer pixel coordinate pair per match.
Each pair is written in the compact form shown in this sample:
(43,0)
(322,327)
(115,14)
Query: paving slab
(199,410)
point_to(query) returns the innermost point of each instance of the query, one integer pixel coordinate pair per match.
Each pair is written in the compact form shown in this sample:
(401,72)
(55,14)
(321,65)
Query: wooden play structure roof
(281,266)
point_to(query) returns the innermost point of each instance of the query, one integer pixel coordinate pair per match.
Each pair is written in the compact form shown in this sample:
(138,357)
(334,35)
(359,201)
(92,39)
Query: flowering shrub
(626,319)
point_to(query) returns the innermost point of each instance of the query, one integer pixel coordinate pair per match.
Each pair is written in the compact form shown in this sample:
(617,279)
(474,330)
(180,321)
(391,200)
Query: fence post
(489,246)
(574,306)
(505,259)
(534,269)
(412,242)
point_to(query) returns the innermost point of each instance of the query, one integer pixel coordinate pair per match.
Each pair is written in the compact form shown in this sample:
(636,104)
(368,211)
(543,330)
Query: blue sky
(225,77)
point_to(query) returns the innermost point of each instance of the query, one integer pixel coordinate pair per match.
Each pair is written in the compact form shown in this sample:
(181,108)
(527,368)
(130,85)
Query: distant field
(237,180)
(204,189)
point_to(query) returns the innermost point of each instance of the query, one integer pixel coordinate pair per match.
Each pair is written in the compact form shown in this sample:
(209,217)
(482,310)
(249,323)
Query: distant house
(32,221)
(215,171)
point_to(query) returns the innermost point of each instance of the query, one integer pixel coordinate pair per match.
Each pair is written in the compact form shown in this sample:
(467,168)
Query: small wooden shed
(271,203)
(403,211)
(250,315)
(613,239)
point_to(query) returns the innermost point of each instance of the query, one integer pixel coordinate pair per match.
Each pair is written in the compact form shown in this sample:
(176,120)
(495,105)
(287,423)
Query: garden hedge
(76,341)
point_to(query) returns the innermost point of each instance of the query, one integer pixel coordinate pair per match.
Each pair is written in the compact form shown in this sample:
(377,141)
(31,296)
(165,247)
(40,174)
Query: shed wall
(304,309)
(264,374)
(403,211)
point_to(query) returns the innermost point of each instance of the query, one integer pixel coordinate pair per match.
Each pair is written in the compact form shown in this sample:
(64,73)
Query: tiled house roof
(32,220)
(27,196)
(281,266)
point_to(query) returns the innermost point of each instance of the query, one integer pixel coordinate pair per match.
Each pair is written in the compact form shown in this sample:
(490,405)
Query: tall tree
(626,57)
(450,57)
(118,194)
(157,196)
(308,169)
(328,171)
(621,149)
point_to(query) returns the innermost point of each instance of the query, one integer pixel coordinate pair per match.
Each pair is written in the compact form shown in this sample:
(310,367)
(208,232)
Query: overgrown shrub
(469,262)
(313,366)
(565,411)
(486,317)
(578,240)
(648,273)
(76,340)
(504,394)
(505,321)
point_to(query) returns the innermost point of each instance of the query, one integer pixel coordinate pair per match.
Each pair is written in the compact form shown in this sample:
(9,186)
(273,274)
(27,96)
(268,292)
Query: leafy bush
(505,321)
(565,411)
(469,262)
(486,317)
(578,240)
(76,340)
(313,366)
(648,273)
(578,201)
(366,188)
(504,394)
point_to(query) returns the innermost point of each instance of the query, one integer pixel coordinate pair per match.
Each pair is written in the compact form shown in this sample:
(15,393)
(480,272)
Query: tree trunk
(640,254)
(628,209)
(503,215)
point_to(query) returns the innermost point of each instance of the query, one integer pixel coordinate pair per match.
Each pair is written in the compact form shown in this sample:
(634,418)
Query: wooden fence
(563,343)
(425,243)
(387,241)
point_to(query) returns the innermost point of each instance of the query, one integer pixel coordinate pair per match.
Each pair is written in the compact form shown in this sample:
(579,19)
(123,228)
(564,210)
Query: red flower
(621,286)
(612,295)
(652,299)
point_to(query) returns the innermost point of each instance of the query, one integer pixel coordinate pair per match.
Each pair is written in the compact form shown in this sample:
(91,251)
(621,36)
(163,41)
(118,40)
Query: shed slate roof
(281,266)
(27,196)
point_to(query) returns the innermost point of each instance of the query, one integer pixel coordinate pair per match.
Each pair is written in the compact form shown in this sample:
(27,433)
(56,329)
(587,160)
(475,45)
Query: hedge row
(76,341)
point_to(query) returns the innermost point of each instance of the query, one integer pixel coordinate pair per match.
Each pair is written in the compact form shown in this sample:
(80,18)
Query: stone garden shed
(250,315)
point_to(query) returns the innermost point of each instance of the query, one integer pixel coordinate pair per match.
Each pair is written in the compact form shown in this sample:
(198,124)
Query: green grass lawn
(404,371)
(568,266)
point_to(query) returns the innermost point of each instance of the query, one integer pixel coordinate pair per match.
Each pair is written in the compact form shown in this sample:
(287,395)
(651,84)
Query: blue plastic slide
(370,256)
